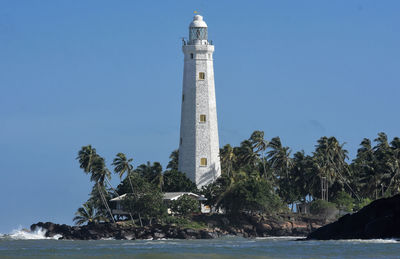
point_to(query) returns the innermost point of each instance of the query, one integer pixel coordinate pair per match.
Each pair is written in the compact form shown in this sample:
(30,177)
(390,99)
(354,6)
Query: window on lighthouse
(203,161)
(202,118)
(191,55)
(202,76)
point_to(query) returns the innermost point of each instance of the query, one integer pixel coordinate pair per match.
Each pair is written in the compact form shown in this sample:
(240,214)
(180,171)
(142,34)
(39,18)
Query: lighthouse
(199,143)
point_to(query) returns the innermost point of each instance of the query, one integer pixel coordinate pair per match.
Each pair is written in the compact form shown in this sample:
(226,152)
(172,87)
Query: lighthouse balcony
(196,42)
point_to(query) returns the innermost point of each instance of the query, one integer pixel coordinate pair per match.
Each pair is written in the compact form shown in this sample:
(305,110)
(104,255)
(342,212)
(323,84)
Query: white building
(199,144)
(167,198)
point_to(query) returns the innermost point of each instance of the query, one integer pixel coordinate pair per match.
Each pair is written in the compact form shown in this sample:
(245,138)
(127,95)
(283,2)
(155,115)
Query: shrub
(361,204)
(344,201)
(323,208)
(185,205)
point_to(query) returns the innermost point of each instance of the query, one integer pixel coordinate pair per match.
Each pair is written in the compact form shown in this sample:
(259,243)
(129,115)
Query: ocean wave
(280,238)
(24,234)
(377,241)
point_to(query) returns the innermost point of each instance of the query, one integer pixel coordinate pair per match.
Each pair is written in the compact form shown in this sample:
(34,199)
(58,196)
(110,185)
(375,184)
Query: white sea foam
(280,238)
(23,234)
(377,241)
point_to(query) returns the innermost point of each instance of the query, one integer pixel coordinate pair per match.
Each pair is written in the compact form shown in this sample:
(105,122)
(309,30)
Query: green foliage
(146,201)
(175,181)
(322,207)
(344,201)
(174,159)
(184,222)
(246,195)
(96,201)
(93,164)
(361,204)
(88,214)
(257,176)
(149,171)
(185,205)
(122,164)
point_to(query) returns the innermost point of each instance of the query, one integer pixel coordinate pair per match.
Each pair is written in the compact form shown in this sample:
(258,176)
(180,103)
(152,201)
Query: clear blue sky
(109,73)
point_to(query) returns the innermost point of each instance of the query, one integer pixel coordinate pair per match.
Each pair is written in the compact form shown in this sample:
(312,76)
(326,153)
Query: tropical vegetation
(258,176)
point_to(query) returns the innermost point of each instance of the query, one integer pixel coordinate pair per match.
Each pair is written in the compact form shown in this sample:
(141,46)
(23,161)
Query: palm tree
(123,165)
(149,171)
(159,179)
(173,162)
(330,162)
(364,170)
(279,157)
(87,213)
(228,158)
(384,160)
(86,157)
(259,146)
(246,155)
(302,176)
(92,163)
(394,166)
(282,163)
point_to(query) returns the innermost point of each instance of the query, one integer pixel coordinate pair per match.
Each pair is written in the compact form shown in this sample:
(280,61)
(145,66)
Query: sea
(22,244)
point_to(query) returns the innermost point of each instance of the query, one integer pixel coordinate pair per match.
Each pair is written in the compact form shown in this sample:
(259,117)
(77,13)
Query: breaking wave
(24,234)
(377,241)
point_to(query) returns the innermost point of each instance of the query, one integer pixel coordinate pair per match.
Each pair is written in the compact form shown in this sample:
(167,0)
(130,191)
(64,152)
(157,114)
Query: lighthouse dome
(198,22)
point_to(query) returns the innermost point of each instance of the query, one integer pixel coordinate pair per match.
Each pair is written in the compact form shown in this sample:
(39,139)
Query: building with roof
(167,197)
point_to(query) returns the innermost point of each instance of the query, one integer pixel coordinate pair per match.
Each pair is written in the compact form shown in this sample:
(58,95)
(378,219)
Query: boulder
(380,219)
(158,235)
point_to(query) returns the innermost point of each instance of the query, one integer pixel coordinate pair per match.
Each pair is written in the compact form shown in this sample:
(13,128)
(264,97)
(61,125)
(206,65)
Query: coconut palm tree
(123,165)
(149,171)
(393,164)
(329,157)
(86,157)
(384,163)
(159,180)
(173,162)
(364,170)
(246,155)
(228,158)
(279,157)
(92,163)
(87,214)
(260,145)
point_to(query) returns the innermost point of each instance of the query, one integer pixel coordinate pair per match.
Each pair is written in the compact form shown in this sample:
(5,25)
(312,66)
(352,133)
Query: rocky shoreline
(380,219)
(217,226)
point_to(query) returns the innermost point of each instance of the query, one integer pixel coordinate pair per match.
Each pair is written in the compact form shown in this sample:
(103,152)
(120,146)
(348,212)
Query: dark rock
(191,233)
(218,225)
(158,235)
(182,235)
(380,219)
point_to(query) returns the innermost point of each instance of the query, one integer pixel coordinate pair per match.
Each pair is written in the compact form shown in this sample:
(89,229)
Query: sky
(109,74)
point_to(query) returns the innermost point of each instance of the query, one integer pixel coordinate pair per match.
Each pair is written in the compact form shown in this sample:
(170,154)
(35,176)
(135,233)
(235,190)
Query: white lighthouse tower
(199,144)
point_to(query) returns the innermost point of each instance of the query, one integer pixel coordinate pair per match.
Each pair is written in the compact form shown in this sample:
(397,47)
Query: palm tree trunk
(140,219)
(115,191)
(130,183)
(105,201)
(133,192)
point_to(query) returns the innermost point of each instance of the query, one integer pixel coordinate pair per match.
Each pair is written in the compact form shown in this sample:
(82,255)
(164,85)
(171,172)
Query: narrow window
(202,76)
(203,161)
(181,141)
(191,55)
(183,97)
(203,118)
